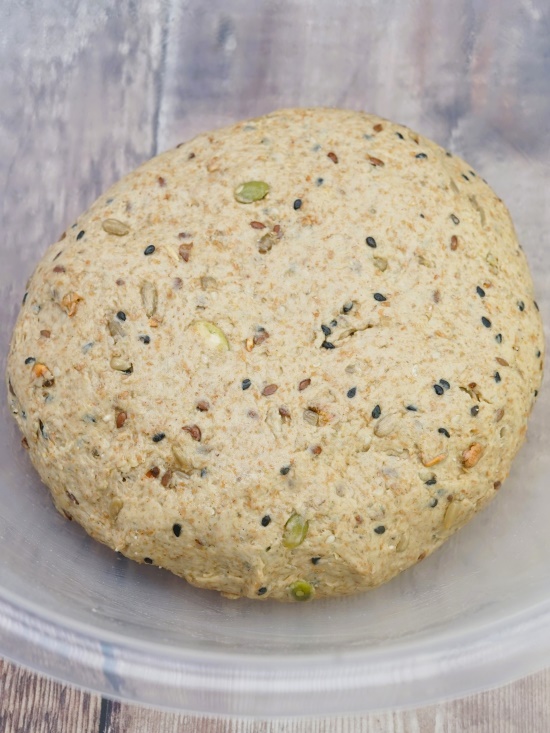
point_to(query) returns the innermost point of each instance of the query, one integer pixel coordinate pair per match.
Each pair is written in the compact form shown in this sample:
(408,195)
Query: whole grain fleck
(269,390)
(304,384)
(121,419)
(333,157)
(454,243)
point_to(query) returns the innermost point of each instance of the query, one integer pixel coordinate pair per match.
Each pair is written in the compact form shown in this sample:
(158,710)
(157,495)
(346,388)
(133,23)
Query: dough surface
(295,396)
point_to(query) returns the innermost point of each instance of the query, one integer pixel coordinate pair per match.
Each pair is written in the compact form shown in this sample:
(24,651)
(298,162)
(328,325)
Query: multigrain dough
(296,387)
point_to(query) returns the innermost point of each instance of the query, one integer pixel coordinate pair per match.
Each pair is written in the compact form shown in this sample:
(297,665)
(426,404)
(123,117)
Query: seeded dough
(303,394)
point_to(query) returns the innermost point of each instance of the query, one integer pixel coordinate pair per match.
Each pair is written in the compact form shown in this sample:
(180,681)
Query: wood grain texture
(30,703)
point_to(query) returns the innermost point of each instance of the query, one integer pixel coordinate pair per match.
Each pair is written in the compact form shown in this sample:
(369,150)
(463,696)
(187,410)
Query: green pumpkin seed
(301,590)
(246,193)
(295,532)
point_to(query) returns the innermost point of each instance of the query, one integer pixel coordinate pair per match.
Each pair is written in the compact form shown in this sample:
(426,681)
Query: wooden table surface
(33,704)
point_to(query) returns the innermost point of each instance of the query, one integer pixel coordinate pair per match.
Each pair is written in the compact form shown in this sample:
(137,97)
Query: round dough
(297,396)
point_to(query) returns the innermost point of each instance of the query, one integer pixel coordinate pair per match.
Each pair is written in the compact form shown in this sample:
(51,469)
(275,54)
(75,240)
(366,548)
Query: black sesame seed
(266,520)
(434,502)
(352,392)
(486,322)
(521,305)
(148,560)
(80,234)
(412,408)
(371,241)
(121,315)
(431,482)
(158,437)
(285,470)
(444,384)
(30,360)
(315,560)
(176,529)
(474,411)
(480,292)
(536,305)
(376,412)
(498,338)
(444,432)
(379,297)
(422,216)
(24,299)
(145,339)
(438,389)
(399,135)
(472,173)
(421,156)
(448,154)
(327,345)
(149,249)
(380,529)
(320,181)
(536,393)
(347,307)
(297,204)
(129,371)
(498,378)
(465,177)
(246,383)
(538,354)
(455,219)
(326,330)
(262,590)
(333,323)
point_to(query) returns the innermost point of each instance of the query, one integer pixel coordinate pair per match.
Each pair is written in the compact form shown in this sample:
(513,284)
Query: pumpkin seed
(246,193)
(295,532)
(301,590)
(116,227)
(311,417)
(211,335)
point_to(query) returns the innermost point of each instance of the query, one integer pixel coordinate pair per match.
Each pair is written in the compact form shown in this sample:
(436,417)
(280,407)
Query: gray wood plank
(30,703)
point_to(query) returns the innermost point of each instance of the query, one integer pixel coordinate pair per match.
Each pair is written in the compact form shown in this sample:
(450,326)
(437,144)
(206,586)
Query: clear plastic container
(89,90)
